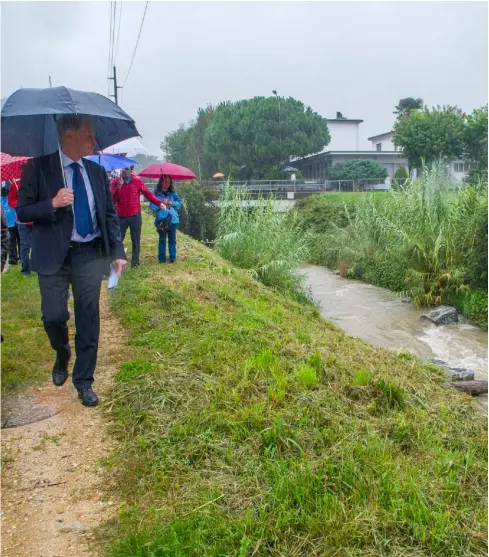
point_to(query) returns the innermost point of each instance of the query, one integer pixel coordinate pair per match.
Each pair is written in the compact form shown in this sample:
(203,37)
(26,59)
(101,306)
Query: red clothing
(13,194)
(126,196)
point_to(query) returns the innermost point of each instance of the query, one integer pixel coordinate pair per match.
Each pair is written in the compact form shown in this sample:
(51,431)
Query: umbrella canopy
(29,119)
(218,175)
(11,167)
(112,162)
(131,146)
(177,172)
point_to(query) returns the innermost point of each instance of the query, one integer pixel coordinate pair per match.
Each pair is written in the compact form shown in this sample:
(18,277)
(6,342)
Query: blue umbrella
(112,162)
(29,119)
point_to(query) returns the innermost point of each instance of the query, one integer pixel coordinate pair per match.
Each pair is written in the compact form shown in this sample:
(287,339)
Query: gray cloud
(355,57)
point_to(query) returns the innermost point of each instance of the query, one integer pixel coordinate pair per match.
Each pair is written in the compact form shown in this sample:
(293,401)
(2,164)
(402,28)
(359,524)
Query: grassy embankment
(26,354)
(249,426)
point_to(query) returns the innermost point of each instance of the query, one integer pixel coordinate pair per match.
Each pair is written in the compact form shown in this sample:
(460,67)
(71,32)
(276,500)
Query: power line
(118,32)
(113,34)
(136,47)
(110,44)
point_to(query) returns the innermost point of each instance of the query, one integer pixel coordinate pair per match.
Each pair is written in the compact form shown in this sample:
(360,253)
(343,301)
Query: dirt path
(54,489)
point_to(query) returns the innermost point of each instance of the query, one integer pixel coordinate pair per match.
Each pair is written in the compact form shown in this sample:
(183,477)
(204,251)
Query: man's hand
(169,203)
(162,206)
(63,198)
(119,266)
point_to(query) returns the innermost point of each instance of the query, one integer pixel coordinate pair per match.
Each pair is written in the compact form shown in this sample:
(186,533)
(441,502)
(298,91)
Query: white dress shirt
(68,172)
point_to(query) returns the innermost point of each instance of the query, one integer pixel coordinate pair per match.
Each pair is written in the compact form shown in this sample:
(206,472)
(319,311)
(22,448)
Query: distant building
(383,142)
(344,146)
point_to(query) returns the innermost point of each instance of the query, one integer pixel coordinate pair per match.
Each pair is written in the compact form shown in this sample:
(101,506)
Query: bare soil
(55,491)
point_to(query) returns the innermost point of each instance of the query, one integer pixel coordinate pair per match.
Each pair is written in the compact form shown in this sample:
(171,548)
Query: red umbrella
(11,167)
(177,172)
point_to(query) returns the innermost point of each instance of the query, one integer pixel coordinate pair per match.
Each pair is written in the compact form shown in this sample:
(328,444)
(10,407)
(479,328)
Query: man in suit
(75,235)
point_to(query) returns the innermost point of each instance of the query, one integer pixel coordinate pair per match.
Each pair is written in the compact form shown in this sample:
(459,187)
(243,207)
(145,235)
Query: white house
(344,146)
(344,132)
(383,142)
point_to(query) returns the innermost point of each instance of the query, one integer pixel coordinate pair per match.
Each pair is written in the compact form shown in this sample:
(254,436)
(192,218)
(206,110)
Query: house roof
(360,154)
(349,120)
(387,134)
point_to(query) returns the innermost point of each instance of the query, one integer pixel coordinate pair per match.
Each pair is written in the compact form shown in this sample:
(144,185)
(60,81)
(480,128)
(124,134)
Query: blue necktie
(83,217)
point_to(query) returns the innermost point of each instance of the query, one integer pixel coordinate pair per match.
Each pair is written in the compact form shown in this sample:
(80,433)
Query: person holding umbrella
(126,193)
(167,219)
(75,227)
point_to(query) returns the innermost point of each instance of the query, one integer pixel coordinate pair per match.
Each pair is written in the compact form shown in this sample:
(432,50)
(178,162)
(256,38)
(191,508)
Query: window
(460,167)
(379,146)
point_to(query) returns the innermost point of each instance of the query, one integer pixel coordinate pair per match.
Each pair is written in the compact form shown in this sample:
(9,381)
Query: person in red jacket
(24,228)
(126,192)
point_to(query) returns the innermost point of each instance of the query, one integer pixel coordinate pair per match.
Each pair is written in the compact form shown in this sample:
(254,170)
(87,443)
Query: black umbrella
(29,119)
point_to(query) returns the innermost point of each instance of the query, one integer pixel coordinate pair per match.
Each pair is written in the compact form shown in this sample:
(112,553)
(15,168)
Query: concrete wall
(345,135)
(386,143)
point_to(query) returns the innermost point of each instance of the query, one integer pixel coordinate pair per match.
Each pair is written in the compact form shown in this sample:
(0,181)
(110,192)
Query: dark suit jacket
(41,179)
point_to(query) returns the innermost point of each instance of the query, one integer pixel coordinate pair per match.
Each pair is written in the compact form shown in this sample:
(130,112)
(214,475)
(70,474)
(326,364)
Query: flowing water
(379,317)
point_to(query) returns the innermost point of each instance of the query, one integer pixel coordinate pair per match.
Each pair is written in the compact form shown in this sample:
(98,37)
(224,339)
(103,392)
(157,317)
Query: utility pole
(114,79)
(50,83)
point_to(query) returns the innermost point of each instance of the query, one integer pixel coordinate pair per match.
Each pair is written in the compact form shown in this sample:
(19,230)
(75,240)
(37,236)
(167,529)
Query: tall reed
(270,244)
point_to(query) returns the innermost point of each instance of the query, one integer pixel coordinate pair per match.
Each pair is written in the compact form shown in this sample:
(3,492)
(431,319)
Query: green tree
(361,171)
(400,178)
(254,135)
(176,146)
(186,146)
(407,105)
(430,135)
(475,150)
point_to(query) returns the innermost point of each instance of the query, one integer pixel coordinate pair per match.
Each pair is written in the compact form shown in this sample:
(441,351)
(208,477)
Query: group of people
(76,221)
(165,203)
(19,233)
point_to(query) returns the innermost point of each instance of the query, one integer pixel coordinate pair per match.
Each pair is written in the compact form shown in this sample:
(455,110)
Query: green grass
(26,353)
(248,425)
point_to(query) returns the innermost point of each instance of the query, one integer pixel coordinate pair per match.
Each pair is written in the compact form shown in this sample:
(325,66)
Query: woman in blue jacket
(166,192)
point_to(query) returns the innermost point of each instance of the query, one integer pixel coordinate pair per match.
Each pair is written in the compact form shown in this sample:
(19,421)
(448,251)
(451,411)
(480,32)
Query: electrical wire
(118,32)
(136,47)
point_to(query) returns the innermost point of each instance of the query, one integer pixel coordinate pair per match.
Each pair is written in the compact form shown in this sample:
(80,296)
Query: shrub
(198,216)
(400,178)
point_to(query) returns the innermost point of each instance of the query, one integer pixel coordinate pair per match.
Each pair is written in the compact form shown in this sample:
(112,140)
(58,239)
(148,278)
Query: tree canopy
(475,140)
(430,135)
(407,105)
(247,138)
(358,170)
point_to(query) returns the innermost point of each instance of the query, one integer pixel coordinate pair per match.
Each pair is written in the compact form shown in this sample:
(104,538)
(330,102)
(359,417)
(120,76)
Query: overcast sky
(359,58)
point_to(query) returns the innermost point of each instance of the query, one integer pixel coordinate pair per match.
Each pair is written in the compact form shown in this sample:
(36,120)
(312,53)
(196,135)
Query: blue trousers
(172,244)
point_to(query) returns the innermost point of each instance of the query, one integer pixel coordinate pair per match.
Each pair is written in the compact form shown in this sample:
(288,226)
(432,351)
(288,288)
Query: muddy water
(379,317)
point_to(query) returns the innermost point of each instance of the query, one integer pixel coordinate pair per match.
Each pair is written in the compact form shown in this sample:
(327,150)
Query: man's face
(126,172)
(84,138)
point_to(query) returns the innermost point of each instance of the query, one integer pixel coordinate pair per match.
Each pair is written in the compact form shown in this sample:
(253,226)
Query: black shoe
(87,397)
(172,261)
(60,368)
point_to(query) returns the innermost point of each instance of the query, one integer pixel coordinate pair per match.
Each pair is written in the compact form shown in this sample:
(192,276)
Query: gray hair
(71,122)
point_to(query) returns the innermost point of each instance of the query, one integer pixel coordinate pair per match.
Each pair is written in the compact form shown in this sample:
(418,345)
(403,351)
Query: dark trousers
(14,244)
(25,234)
(83,269)
(134,224)
(172,244)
